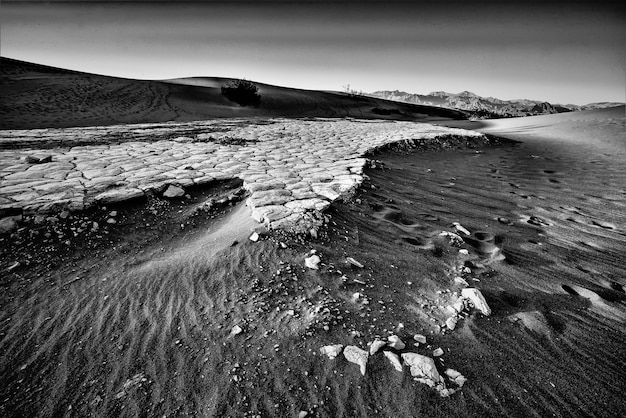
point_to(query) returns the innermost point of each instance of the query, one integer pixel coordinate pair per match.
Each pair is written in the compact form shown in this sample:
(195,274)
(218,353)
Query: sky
(561,52)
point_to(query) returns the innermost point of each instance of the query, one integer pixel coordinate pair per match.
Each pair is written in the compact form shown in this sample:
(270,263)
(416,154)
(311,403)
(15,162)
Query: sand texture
(36,96)
(138,281)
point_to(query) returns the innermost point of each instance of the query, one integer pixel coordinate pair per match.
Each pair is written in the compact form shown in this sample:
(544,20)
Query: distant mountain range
(486,107)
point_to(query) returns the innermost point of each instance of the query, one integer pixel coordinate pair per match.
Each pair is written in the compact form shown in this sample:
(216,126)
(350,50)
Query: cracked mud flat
(154,326)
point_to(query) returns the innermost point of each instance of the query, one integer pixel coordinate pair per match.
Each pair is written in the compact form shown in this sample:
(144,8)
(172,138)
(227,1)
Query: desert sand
(159,286)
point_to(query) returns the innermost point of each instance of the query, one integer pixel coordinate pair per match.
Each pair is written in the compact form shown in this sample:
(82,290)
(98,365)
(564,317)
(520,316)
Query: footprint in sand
(484,244)
(602,224)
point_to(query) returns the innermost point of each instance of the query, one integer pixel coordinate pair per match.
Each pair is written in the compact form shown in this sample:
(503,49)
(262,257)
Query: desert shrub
(242,92)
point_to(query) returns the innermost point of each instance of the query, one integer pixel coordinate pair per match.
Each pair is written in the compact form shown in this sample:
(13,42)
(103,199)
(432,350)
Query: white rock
(438,352)
(451,322)
(332,351)
(173,191)
(420,338)
(422,367)
(396,342)
(477,299)
(456,377)
(312,262)
(236,330)
(460,228)
(254,237)
(357,356)
(302,414)
(463,251)
(354,262)
(394,360)
(375,346)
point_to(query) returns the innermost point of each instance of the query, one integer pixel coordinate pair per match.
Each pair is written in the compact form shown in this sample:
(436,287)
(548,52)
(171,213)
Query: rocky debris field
(292,169)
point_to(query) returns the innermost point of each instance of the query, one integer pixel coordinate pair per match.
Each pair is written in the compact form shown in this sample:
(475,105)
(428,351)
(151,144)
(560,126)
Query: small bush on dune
(242,92)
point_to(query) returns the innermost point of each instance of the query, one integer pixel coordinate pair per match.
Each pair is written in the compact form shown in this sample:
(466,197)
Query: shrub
(242,92)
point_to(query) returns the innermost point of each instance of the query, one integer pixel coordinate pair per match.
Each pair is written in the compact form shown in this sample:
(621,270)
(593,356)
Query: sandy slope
(35,96)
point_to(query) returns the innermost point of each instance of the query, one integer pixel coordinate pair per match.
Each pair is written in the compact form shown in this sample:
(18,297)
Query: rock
(438,352)
(14,266)
(461,281)
(236,330)
(7,225)
(357,356)
(312,262)
(111,221)
(463,251)
(302,414)
(460,228)
(354,262)
(423,368)
(394,360)
(420,338)
(173,192)
(456,377)
(375,346)
(254,237)
(454,239)
(64,215)
(451,322)
(395,342)
(477,299)
(332,351)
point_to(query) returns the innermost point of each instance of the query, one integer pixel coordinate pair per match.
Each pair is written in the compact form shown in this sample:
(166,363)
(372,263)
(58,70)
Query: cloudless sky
(561,52)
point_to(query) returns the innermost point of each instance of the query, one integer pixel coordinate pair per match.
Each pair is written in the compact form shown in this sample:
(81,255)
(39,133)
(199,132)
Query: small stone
(451,322)
(254,237)
(354,262)
(463,251)
(460,228)
(302,414)
(456,377)
(332,351)
(477,298)
(14,266)
(438,352)
(111,221)
(420,338)
(113,213)
(236,330)
(312,262)
(461,281)
(395,342)
(357,356)
(7,225)
(64,215)
(173,192)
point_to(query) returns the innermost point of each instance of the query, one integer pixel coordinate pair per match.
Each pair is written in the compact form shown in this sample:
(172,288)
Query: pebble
(312,262)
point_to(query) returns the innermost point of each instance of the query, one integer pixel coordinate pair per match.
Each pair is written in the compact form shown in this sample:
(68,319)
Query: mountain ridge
(487,107)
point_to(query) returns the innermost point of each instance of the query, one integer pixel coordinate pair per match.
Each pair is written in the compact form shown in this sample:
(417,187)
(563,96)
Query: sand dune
(36,96)
(168,310)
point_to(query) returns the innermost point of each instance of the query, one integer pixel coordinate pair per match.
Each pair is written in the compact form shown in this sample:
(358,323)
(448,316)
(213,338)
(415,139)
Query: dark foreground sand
(138,322)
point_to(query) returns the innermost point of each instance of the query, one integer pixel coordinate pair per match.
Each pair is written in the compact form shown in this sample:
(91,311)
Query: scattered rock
(357,356)
(438,352)
(395,342)
(7,225)
(236,330)
(173,192)
(423,368)
(456,377)
(332,351)
(302,414)
(394,360)
(254,237)
(375,346)
(354,262)
(461,281)
(451,322)
(420,338)
(463,251)
(312,262)
(460,228)
(477,299)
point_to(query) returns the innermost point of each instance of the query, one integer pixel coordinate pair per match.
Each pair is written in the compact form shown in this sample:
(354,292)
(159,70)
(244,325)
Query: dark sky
(562,52)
